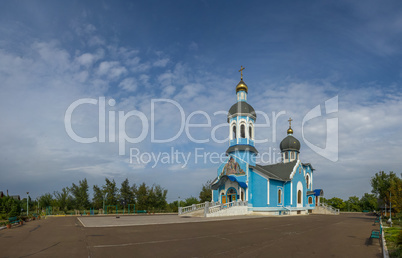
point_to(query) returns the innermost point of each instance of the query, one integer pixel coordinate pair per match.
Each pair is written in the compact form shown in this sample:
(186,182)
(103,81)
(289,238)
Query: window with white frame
(242,131)
(234,131)
(267,191)
(279,196)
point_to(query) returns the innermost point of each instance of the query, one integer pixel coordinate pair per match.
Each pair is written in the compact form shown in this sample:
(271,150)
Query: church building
(282,188)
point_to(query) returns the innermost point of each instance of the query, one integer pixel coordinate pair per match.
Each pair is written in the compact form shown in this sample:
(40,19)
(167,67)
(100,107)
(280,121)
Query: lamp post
(27,203)
(104,196)
(178,206)
(390,207)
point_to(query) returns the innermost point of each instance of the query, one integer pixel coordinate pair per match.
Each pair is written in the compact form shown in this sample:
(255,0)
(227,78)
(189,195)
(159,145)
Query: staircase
(215,209)
(323,208)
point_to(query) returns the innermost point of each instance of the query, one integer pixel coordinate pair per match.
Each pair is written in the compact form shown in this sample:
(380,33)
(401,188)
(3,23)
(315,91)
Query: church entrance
(223,199)
(231,193)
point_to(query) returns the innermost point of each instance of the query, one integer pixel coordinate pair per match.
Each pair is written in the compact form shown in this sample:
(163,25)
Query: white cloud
(111,69)
(129,84)
(161,62)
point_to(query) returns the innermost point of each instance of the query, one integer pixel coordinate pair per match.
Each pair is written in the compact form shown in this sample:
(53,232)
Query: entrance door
(231,195)
(223,199)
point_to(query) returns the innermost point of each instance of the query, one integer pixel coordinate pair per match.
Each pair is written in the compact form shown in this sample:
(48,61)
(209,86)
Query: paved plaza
(345,235)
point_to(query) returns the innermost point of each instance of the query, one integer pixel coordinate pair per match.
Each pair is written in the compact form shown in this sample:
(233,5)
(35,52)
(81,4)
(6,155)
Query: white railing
(211,207)
(194,207)
(222,206)
(329,208)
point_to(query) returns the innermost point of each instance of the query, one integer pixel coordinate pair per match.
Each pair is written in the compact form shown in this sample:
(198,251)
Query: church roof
(318,192)
(241,148)
(242,108)
(308,164)
(279,171)
(223,179)
(289,143)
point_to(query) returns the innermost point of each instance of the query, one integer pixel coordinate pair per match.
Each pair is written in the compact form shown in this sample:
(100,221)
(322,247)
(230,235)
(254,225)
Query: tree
(336,202)
(353,204)
(97,200)
(396,194)
(160,197)
(111,190)
(126,192)
(80,194)
(9,207)
(63,199)
(381,184)
(142,197)
(369,202)
(45,200)
(190,201)
(206,192)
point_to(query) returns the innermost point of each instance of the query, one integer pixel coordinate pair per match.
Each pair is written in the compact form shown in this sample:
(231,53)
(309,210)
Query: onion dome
(241,86)
(242,108)
(290,142)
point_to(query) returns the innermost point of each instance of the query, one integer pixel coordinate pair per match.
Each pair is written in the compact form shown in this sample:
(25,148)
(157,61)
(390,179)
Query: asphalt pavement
(345,235)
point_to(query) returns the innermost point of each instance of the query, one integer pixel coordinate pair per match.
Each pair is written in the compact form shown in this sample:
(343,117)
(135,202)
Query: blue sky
(297,54)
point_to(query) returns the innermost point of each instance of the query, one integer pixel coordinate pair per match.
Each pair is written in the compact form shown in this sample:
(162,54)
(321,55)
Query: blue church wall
(299,177)
(274,187)
(258,193)
(288,192)
(215,195)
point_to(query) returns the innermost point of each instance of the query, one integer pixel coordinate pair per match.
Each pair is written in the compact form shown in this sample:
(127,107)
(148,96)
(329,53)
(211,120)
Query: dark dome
(290,143)
(242,108)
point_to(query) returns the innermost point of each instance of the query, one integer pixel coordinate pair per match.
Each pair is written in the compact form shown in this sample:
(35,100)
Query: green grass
(393,237)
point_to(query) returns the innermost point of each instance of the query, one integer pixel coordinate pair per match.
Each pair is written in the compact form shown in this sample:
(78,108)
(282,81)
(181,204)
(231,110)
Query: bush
(393,236)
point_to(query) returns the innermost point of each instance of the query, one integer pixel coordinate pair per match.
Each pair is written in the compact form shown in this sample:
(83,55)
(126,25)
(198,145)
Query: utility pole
(390,207)
(178,206)
(27,203)
(104,196)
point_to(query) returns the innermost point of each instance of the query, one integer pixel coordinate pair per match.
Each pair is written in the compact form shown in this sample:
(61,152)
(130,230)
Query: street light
(104,196)
(27,204)
(178,206)
(390,207)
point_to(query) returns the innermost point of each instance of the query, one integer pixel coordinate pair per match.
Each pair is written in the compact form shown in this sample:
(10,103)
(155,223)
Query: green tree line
(386,189)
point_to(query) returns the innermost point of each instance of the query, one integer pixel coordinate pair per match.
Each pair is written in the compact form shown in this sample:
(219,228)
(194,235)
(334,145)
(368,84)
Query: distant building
(16,197)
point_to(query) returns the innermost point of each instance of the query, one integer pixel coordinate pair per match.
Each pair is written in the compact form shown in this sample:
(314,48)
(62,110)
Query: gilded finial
(290,130)
(241,72)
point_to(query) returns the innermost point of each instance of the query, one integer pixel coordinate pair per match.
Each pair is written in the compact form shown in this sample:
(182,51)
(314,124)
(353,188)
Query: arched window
(299,197)
(234,132)
(286,155)
(310,200)
(308,181)
(279,196)
(250,132)
(242,131)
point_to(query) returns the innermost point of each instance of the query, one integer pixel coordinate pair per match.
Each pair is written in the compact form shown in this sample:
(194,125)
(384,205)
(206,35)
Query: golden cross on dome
(241,72)
(290,122)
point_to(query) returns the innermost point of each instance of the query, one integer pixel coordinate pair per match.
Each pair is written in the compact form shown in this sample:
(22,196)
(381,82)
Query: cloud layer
(42,74)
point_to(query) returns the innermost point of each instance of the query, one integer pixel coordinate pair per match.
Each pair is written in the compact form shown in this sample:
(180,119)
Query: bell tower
(241,119)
